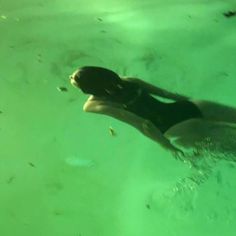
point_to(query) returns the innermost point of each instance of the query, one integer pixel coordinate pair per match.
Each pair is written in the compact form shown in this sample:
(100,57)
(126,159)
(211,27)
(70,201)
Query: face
(72,79)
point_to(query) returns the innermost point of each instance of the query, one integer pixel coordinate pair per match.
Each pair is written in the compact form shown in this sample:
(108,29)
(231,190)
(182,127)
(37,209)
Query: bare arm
(144,126)
(156,90)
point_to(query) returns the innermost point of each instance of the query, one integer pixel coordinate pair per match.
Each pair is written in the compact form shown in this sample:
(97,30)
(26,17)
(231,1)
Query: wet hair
(98,81)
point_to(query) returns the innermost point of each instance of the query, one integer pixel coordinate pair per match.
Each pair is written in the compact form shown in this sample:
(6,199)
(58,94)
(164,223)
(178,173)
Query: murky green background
(61,172)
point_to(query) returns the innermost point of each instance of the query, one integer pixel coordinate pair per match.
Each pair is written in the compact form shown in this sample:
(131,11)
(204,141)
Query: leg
(216,112)
(205,138)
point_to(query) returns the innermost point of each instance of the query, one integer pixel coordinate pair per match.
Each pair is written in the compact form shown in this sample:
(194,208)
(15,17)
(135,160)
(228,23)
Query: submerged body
(132,100)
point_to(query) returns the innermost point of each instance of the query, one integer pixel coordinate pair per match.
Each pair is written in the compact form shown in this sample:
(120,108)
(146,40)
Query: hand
(178,154)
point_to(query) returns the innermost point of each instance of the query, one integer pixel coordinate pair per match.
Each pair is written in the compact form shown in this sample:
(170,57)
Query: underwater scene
(67,172)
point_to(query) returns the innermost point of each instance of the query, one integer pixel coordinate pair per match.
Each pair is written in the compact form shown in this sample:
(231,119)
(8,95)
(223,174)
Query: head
(96,81)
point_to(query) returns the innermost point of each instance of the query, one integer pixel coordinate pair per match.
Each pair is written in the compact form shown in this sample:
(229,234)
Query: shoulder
(130,79)
(136,82)
(99,105)
(131,83)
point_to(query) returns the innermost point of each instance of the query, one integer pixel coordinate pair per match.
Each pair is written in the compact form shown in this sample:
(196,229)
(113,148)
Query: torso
(162,115)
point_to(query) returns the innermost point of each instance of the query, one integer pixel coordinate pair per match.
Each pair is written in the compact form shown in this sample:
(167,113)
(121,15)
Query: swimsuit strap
(133,100)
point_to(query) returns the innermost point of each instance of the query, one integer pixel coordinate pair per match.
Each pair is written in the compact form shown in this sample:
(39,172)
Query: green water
(61,172)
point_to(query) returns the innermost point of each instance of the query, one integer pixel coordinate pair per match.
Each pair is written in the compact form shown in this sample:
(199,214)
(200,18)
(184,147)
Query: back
(162,115)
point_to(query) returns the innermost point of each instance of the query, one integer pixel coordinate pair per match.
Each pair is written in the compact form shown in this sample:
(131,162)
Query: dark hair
(98,81)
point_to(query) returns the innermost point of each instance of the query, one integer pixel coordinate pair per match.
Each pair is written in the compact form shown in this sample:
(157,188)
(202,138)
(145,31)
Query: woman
(131,100)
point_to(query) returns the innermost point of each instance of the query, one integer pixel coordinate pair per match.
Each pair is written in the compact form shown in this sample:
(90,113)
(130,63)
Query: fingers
(179,155)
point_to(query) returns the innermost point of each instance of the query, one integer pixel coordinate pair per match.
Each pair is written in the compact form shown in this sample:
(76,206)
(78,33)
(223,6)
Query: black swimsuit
(162,115)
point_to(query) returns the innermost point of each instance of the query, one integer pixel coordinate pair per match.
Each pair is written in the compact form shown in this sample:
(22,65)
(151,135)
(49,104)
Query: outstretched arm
(156,90)
(144,126)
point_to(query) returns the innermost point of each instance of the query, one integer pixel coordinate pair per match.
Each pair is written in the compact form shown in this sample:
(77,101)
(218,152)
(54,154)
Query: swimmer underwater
(132,100)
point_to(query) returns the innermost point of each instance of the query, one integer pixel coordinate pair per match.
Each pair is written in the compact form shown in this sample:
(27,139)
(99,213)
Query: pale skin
(210,110)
